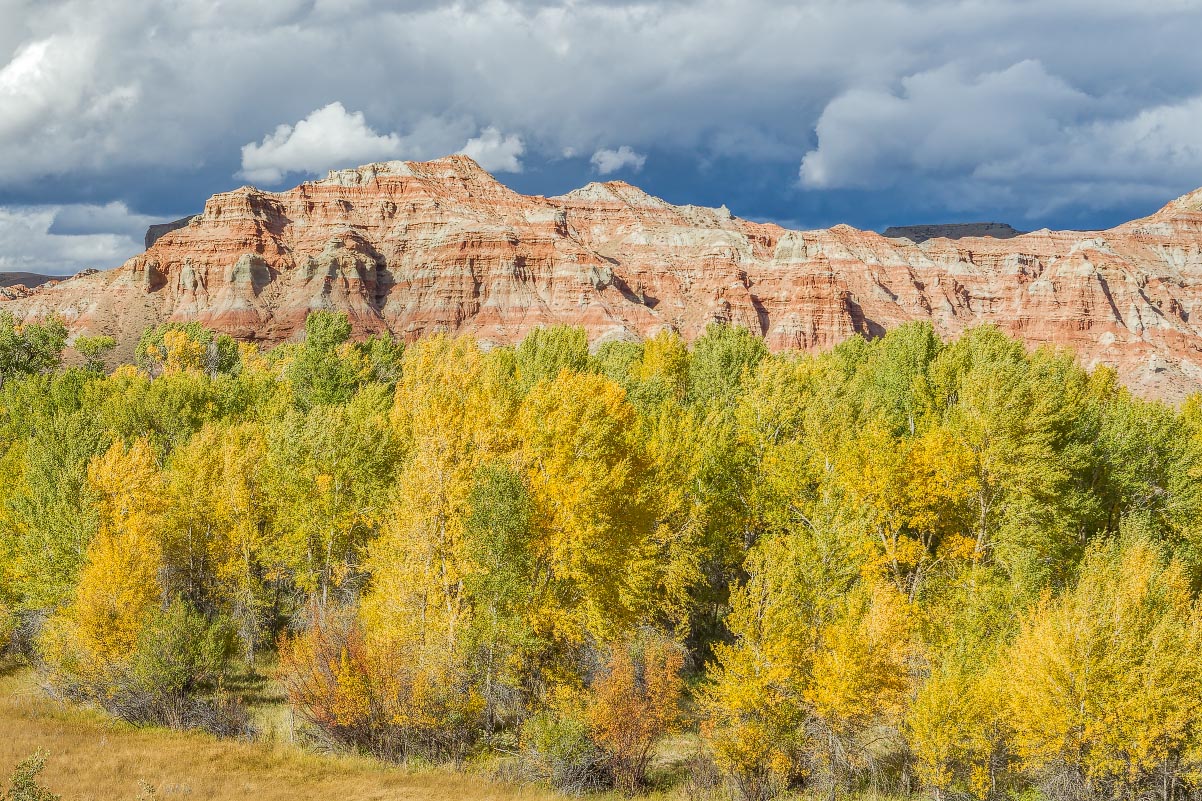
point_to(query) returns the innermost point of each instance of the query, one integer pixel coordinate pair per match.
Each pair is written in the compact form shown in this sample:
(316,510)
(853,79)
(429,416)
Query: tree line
(961,568)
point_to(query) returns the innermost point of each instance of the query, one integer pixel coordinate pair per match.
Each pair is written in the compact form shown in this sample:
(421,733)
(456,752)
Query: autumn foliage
(633,703)
(905,565)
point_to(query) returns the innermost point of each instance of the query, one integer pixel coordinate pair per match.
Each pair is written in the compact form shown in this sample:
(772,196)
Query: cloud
(332,138)
(496,152)
(110,218)
(53,112)
(606,161)
(62,240)
(102,101)
(941,122)
(328,138)
(976,139)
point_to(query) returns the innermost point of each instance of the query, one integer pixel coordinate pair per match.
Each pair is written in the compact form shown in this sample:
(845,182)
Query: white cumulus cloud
(328,138)
(606,161)
(62,240)
(495,151)
(332,137)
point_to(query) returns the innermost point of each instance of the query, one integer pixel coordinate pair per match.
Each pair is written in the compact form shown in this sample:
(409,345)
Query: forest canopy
(904,564)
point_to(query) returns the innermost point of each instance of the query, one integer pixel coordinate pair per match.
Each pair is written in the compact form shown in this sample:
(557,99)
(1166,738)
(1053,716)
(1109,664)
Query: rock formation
(921,233)
(19,285)
(155,232)
(414,248)
(24,279)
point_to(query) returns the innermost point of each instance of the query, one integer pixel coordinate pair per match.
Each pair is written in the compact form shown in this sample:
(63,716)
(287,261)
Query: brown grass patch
(92,758)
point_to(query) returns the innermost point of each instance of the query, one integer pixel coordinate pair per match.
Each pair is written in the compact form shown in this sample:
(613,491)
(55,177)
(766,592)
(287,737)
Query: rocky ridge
(21,284)
(414,248)
(921,233)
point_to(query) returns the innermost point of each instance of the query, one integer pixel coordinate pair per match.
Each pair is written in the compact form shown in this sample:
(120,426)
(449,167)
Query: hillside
(413,248)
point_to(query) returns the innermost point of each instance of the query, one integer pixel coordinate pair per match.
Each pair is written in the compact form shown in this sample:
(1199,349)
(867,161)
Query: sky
(1058,113)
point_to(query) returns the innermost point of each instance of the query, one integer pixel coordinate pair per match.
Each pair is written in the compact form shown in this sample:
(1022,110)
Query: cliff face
(415,248)
(156,232)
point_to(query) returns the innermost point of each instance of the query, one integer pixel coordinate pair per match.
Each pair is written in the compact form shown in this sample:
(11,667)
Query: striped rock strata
(413,248)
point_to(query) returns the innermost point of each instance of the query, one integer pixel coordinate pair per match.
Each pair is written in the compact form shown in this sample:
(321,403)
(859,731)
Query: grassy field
(92,758)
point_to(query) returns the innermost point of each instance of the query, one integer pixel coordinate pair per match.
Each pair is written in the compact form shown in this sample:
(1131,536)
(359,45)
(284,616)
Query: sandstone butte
(415,248)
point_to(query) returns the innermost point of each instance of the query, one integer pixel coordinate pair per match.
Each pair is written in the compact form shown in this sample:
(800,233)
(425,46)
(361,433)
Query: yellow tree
(815,666)
(1024,418)
(11,469)
(859,678)
(120,582)
(913,493)
(754,707)
(328,472)
(449,413)
(665,364)
(584,464)
(8,624)
(1104,681)
(687,542)
(411,670)
(956,726)
(217,524)
(181,353)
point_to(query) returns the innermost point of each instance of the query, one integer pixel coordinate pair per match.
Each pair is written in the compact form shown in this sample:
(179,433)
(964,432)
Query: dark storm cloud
(866,111)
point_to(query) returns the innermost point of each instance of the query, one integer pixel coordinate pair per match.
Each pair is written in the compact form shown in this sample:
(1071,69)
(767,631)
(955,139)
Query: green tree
(326,369)
(498,544)
(30,348)
(95,350)
(50,510)
(547,350)
(1022,417)
(720,358)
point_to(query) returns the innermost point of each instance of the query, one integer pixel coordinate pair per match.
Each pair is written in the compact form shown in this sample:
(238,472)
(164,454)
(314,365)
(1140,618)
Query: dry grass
(92,758)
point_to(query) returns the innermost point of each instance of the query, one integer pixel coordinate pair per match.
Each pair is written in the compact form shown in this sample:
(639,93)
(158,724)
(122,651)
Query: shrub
(23,785)
(386,700)
(172,677)
(759,758)
(634,703)
(604,737)
(703,779)
(558,749)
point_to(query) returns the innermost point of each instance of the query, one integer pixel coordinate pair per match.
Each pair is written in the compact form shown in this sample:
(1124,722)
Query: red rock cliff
(414,248)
